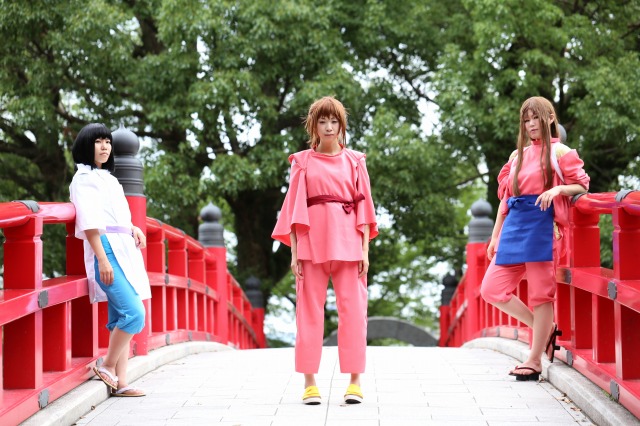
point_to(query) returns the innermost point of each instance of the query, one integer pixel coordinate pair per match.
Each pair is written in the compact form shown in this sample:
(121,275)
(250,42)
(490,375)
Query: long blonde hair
(542,108)
(325,108)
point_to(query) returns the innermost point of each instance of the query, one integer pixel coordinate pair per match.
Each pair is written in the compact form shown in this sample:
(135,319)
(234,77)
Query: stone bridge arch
(394,328)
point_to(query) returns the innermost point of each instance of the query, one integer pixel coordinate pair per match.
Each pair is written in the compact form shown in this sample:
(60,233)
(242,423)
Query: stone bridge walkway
(210,384)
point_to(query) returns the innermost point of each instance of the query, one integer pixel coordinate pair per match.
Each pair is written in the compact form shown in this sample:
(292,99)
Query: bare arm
(104,267)
(547,197)
(138,237)
(497,227)
(296,265)
(363,265)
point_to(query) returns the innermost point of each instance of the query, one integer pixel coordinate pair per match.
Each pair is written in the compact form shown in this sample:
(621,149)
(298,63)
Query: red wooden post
(626,244)
(128,170)
(444,325)
(476,253)
(138,207)
(581,323)
(449,282)
(258,326)
(210,281)
(627,342)
(603,334)
(57,337)
(23,256)
(584,238)
(480,230)
(83,314)
(156,263)
(178,262)
(84,328)
(22,364)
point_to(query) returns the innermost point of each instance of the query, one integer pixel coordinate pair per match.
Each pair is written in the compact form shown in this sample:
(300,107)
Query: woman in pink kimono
(328,219)
(535,186)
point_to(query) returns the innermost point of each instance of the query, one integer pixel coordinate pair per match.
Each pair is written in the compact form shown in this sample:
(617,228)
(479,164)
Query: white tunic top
(100,202)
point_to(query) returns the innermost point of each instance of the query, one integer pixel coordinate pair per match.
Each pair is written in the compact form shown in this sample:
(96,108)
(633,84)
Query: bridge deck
(403,385)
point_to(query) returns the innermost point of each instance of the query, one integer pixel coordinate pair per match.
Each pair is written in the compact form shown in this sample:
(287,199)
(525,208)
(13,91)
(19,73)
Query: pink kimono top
(530,180)
(325,232)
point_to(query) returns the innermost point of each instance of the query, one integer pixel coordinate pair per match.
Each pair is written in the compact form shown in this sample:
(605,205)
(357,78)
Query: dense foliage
(217,88)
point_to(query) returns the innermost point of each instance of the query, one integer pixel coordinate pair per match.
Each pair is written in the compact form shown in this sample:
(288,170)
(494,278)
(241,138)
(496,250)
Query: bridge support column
(22,365)
(480,230)
(254,294)
(128,170)
(211,235)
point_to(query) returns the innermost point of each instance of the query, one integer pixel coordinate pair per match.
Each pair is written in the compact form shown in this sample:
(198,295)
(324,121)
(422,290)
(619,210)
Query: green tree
(581,55)
(218,89)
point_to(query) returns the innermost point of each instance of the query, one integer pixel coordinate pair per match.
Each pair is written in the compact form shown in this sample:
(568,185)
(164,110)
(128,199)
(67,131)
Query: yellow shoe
(353,395)
(311,396)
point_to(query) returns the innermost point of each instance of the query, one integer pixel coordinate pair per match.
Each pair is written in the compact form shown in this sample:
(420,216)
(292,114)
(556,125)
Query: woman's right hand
(296,267)
(491,249)
(106,272)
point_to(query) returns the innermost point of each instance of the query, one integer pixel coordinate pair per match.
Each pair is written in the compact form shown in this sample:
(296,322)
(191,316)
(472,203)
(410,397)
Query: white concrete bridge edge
(67,409)
(590,398)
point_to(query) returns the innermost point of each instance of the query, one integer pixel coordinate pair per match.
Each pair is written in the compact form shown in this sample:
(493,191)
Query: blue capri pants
(126,310)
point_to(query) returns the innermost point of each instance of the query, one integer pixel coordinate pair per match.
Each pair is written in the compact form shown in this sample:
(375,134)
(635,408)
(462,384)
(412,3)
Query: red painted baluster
(22,344)
(626,246)
(84,314)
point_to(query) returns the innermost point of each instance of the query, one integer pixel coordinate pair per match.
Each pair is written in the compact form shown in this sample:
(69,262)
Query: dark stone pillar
(128,169)
(481,225)
(210,231)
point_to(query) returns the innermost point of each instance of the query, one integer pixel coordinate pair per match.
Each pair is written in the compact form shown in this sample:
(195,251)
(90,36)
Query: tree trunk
(255,214)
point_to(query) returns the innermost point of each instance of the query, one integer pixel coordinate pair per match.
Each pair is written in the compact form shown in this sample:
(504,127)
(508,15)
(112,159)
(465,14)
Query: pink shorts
(500,281)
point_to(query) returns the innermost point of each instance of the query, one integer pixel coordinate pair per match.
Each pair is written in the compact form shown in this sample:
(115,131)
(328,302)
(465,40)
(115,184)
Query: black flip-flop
(534,375)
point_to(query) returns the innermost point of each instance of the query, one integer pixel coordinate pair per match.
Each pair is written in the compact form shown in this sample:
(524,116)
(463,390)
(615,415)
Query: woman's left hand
(138,237)
(545,199)
(363,265)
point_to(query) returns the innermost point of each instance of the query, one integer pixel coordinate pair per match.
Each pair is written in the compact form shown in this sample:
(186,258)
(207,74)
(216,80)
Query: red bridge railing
(597,308)
(52,336)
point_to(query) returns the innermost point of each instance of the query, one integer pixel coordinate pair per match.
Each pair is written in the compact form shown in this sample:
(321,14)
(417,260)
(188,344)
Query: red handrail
(51,335)
(597,308)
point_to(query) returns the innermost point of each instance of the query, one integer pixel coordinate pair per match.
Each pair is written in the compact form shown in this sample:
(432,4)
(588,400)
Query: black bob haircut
(84,147)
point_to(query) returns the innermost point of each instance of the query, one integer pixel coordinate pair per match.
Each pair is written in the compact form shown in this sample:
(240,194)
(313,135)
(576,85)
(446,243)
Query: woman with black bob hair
(83,149)
(112,257)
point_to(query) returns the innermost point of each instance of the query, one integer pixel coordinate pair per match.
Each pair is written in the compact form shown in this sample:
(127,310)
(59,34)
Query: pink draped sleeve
(365,211)
(572,168)
(293,213)
(504,186)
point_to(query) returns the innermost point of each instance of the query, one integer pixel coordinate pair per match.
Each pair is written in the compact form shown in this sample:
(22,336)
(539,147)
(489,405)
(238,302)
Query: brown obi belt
(347,205)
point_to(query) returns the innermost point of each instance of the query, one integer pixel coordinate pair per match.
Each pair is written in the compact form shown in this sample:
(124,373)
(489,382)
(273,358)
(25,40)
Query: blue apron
(527,232)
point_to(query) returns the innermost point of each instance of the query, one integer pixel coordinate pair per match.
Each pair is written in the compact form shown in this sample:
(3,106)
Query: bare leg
(309,380)
(517,309)
(540,321)
(118,342)
(543,320)
(121,368)
(355,379)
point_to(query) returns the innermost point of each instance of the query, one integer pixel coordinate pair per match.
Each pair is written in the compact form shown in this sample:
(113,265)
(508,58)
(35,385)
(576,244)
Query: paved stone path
(403,386)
